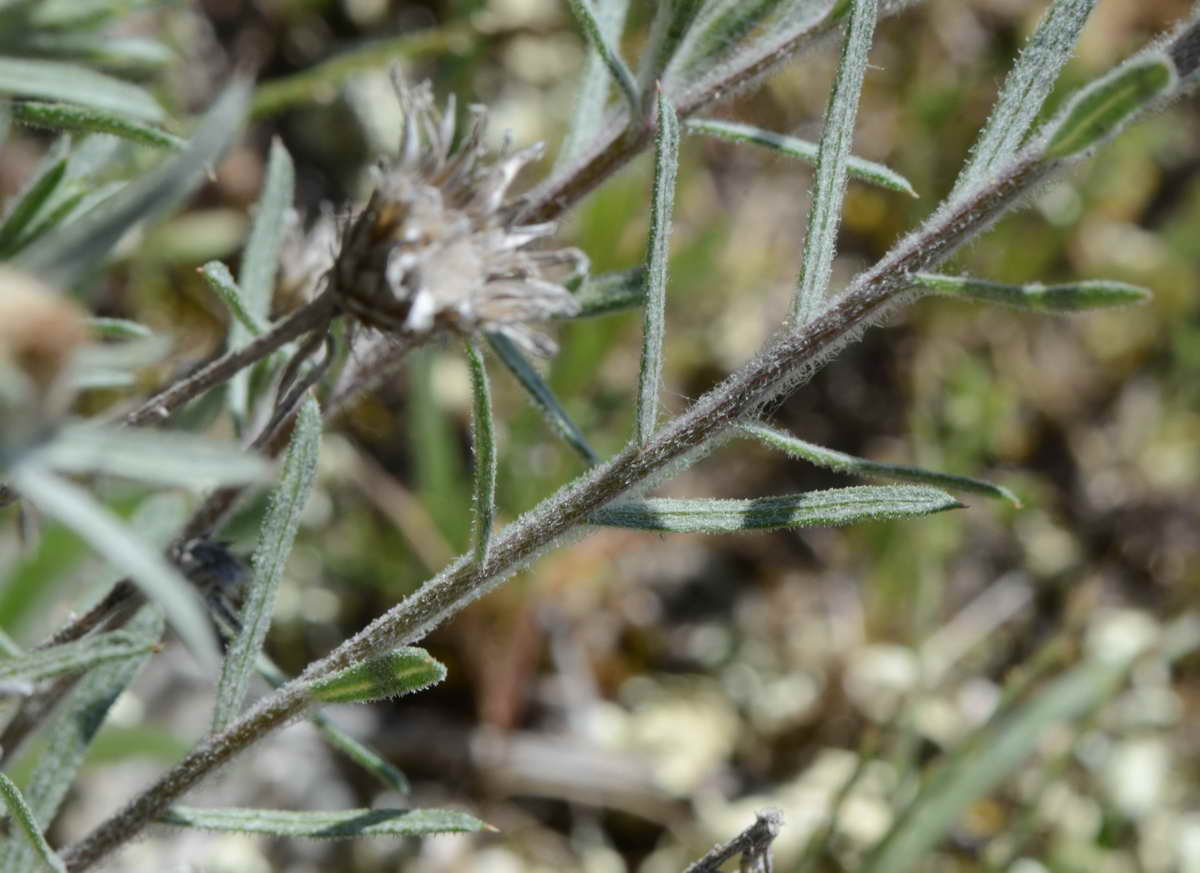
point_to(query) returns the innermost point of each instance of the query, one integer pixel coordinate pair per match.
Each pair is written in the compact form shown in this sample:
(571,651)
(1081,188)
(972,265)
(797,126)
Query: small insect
(220,577)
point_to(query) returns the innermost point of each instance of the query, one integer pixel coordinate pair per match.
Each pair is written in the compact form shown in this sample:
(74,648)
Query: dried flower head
(438,245)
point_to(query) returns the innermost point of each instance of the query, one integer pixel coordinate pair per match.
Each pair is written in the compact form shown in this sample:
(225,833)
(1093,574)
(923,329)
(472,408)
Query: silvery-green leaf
(1036,297)
(55,80)
(1103,107)
(611,292)
(8,646)
(670,26)
(542,396)
(833,508)
(221,281)
(20,815)
(74,657)
(276,538)
(829,186)
(66,254)
(109,537)
(70,117)
(401,671)
(27,205)
(721,26)
(483,440)
(598,39)
(120,54)
(843,463)
(658,250)
(119,329)
(165,457)
(1026,88)
(342,824)
(69,732)
(803,150)
(587,118)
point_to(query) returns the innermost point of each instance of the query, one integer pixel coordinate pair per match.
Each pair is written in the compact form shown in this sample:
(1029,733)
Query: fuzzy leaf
(20,814)
(611,292)
(164,457)
(1035,297)
(67,253)
(75,656)
(803,150)
(343,824)
(54,80)
(221,281)
(833,508)
(587,118)
(275,540)
(119,329)
(671,24)
(658,250)
(829,186)
(112,539)
(1025,90)
(842,463)
(67,116)
(1103,107)
(15,230)
(542,396)
(401,671)
(603,45)
(721,26)
(483,439)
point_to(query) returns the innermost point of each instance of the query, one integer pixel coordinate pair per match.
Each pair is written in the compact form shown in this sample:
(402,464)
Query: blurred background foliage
(632,698)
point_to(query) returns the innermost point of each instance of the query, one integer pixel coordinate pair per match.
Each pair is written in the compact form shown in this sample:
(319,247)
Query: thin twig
(753,844)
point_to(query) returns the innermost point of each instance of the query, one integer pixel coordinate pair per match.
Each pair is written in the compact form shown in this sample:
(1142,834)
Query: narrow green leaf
(1035,297)
(327,825)
(74,657)
(126,55)
(38,192)
(843,463)
(67,116)
(1026,88)
(829,186)
(803,150)
(722,25)
(66,254)
(595,36)
(388,775)
(587,118)
(260,261)
(54,80)
(164,457)
(401,671)
(70,730)
(20,814)
(119,329)
(221,281)
(8,646)
(658,250)
(1103,107)
(483,439)
(161,582)
(542,396)
(276,537)
(612,292)
(671,24)
(833,508)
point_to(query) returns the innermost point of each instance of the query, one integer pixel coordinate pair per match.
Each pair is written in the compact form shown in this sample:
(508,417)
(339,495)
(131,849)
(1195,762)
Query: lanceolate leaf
(557,417)
(275,542)
(119,329)
(595,84)
(829,186)
(803,150)
(20,815)
(67,116)
(612,292)
(221,281)
(602,44)
(67,253)
(658,250)
(720,27)
(483,438)
(53,80)
(109,537)
(834,508)
(671,24)
(74,657)
(843,463)
(327,825)
(401,671)
(1025,90)
(1035,297)
(41,188)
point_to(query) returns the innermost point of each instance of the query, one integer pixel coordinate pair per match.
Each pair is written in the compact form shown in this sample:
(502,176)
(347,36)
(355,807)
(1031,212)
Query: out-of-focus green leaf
(20,814)
(68,116)
(611,292)
(221,281)
(31,201)
(119,329)
(833,508)
(74,657)
(401,671)
(327,825)
(55,80)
